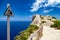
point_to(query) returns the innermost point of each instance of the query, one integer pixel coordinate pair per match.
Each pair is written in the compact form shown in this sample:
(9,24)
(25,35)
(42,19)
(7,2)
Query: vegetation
(56,24)
(24,35)
(53,17)
(41,17)
(49,19)
(43,22)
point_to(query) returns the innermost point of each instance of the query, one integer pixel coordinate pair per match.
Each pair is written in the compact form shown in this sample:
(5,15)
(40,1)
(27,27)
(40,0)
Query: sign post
(8,13)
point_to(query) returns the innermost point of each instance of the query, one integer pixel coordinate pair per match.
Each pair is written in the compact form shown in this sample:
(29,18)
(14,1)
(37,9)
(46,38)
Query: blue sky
(23,10)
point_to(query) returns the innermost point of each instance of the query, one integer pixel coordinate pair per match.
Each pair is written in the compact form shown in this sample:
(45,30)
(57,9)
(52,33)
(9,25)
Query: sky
(23,10)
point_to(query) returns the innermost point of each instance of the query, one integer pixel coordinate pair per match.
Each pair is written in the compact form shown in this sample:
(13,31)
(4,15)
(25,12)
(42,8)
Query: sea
(15,28)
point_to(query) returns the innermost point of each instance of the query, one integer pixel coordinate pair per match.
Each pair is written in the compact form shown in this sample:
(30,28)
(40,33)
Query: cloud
(47,11)
(36,5)
(17,18)
(43,3)
(58,6)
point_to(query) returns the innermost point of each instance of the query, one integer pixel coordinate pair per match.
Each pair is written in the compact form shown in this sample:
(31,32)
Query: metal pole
(8,27)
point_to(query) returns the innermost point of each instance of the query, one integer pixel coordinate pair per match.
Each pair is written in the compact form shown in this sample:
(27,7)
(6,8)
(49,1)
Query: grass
(54,17)
(43,22)
(41,17)
(24,35)
(56,24)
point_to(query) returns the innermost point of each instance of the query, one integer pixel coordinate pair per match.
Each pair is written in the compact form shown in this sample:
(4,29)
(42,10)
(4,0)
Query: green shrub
(49,19)
(43,22)
(41,17)
(24,35)
(54,17)
(17,37)
(56,24)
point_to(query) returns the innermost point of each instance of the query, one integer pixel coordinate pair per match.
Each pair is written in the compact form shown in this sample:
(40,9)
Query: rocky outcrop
(38,33)
(40,21)
(36,20)
(38,29)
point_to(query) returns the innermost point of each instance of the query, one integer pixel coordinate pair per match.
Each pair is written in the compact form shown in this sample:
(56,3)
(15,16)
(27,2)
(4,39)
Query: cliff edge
(40,29)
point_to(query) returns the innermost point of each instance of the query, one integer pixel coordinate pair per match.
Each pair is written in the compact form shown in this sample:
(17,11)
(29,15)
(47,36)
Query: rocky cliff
(39,28)
(38,33)
(40,21)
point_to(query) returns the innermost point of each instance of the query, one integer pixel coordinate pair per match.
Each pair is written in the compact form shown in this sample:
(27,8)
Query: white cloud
(36,5)
(58,6)
(47,11)
(17,18)
(21,18)
(39,3)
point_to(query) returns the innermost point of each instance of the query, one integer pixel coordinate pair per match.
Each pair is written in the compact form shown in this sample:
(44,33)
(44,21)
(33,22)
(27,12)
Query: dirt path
(50,33)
